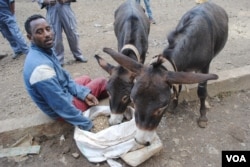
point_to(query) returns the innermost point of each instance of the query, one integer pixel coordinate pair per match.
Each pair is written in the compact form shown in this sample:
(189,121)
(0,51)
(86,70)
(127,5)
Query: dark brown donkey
(200,35)
(131,28)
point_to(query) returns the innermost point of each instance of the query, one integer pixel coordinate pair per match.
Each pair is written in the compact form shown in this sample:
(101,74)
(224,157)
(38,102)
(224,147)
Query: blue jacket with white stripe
(52,88)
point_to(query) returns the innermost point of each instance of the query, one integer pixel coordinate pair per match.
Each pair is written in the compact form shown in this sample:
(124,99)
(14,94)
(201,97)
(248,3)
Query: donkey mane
(157,61)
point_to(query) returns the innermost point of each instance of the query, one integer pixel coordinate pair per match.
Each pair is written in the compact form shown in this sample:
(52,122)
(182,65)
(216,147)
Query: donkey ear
(188,77)
(106,66)
(125,61)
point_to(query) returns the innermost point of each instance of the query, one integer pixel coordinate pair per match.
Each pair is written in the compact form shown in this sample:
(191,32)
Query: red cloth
(97,87)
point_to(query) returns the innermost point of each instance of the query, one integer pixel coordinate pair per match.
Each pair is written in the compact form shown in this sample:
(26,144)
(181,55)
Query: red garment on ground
(97,87)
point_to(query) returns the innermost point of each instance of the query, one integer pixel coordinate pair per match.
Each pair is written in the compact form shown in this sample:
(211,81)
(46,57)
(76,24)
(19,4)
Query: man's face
(41,33)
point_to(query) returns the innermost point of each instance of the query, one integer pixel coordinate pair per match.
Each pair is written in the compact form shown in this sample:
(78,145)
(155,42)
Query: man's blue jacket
(52,88)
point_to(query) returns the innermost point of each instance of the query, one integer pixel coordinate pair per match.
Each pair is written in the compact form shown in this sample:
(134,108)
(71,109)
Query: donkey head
(118,87)
(151,91)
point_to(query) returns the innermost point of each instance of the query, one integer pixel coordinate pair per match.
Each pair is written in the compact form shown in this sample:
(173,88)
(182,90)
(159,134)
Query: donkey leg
(202,93)
(177,90)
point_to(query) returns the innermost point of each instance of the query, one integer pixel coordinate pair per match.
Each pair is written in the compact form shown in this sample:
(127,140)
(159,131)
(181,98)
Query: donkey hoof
(202,123)
(174,104)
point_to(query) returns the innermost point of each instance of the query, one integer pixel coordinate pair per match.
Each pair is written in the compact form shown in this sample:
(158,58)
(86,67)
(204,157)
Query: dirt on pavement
(184,143)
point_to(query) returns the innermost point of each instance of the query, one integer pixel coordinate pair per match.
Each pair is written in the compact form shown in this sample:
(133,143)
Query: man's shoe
(152,21)
(3,56)
(82,59)
(17,55)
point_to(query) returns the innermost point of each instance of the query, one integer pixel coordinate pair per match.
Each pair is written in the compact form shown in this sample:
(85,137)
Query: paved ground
(184,143)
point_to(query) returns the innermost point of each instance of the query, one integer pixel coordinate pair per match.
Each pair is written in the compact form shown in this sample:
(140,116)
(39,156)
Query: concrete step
(39,124)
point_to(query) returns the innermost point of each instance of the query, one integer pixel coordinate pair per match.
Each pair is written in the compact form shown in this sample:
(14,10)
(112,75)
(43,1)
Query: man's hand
(49,2)
(91,100)
(63,1)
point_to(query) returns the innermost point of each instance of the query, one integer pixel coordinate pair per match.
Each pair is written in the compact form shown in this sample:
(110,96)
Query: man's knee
(83,79)
(102,81)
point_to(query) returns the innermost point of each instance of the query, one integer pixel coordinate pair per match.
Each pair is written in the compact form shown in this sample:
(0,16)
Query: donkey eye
(160,110)
(163,108)
(125,98)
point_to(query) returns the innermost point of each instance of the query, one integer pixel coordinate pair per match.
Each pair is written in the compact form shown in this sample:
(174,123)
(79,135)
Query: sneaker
(17,55)
(152,21)
(82,59)
(3,56)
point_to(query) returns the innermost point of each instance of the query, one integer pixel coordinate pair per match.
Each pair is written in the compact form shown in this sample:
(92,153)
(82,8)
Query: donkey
(131,28)
(199,36)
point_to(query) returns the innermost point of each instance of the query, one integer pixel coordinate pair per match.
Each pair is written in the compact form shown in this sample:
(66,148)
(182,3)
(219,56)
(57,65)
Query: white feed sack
(113,142)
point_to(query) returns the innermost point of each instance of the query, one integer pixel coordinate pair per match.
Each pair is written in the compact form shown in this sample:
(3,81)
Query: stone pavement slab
(39,124)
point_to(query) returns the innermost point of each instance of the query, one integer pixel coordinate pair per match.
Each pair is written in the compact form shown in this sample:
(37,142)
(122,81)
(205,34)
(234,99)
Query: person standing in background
(148,9)
(62,18)
(10,29)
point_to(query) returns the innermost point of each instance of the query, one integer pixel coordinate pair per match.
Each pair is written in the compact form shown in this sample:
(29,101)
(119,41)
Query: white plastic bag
(112,142)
